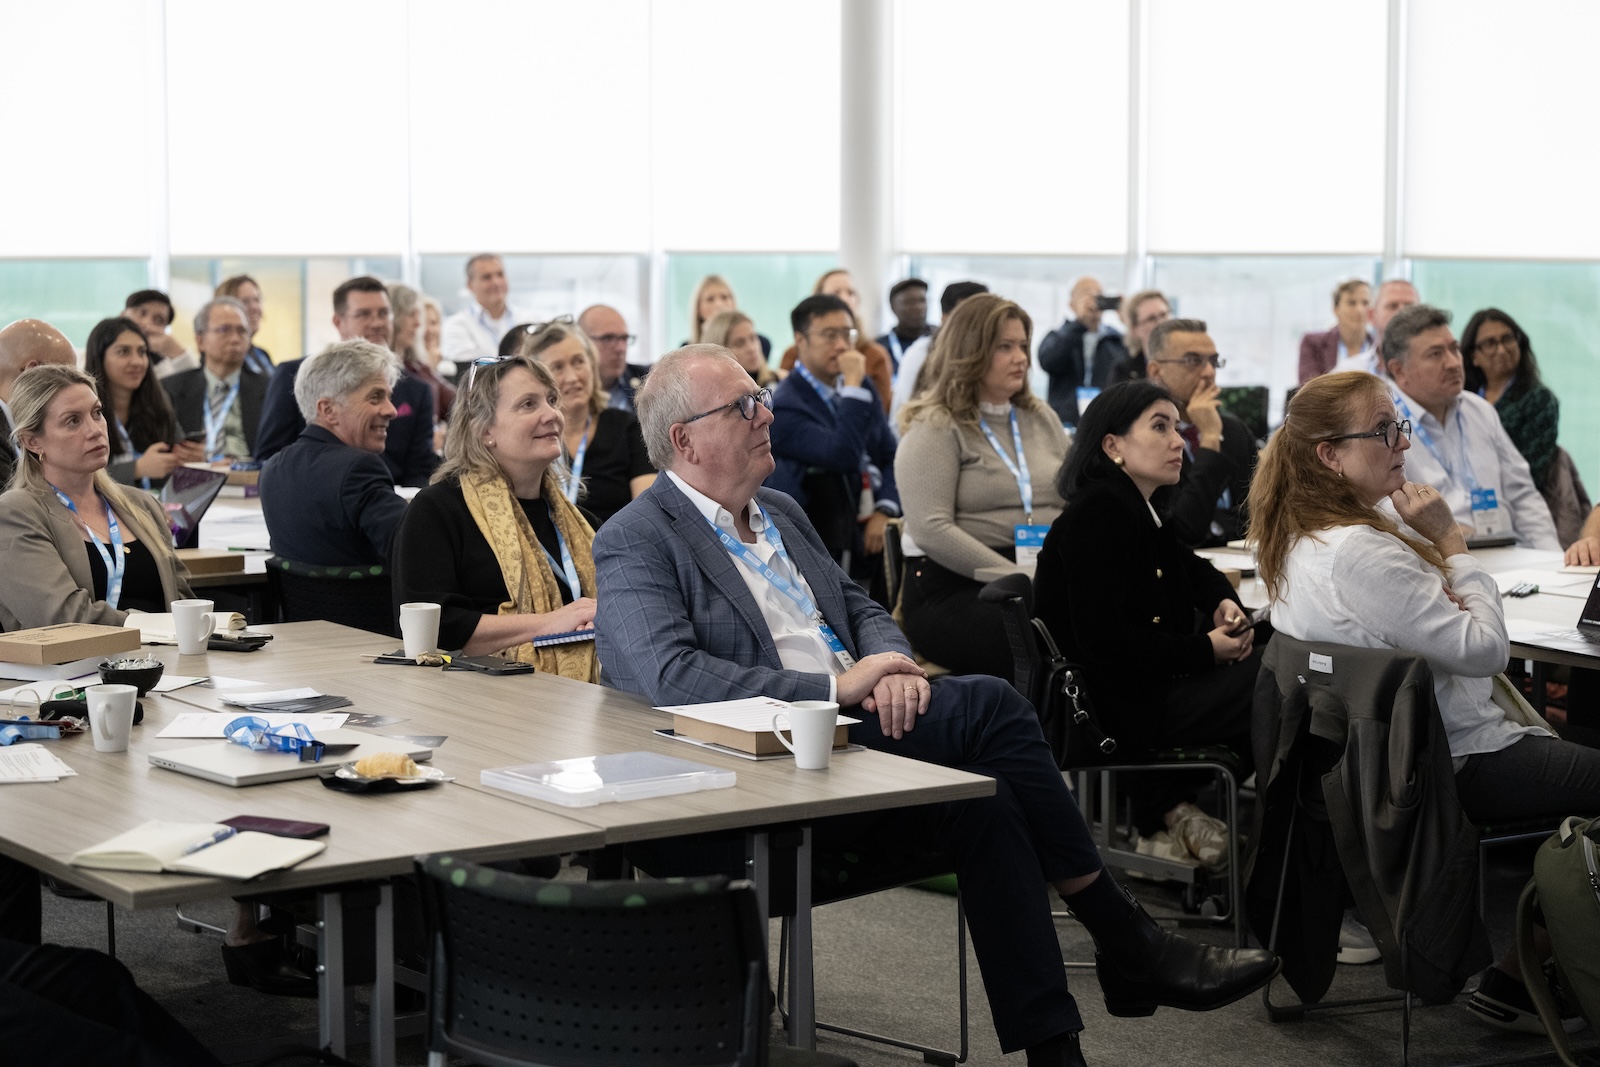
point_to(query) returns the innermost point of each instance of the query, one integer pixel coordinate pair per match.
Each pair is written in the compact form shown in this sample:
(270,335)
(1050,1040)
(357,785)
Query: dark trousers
(1002,847)
(20,912)
(81,1007)
(947,624)
(1534,776)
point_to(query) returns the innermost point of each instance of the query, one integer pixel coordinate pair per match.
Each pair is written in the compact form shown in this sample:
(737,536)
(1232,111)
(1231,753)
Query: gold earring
(1118,460)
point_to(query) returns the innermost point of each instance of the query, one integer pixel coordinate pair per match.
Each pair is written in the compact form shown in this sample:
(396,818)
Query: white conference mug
(111,715)
(812,723)
(419,628)
(193,622)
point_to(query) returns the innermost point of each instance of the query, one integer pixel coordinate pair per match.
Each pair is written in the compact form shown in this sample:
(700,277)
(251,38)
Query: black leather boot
(1142,967)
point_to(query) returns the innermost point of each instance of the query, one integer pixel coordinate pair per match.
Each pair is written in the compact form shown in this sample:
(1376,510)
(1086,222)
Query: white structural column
(1394,142)
(1136,269)
(866,157)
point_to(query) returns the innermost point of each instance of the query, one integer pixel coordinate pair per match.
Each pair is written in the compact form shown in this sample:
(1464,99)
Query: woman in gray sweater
(976,468)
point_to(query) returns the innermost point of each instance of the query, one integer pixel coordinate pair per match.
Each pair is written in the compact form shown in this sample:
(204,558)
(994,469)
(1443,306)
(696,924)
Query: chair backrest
(1013,595)
(528,971)
(894,562)
(351,596)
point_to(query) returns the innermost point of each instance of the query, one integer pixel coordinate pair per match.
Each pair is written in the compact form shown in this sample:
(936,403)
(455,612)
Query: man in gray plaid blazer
(712,588)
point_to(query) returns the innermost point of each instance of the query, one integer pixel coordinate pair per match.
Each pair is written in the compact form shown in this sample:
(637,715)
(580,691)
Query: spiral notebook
(570,637)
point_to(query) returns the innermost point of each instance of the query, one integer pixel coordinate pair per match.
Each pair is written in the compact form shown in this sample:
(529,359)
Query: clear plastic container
(590,780)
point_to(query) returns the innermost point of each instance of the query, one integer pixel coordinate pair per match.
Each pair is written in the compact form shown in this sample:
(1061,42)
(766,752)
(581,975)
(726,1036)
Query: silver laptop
(232,764)
(1583,639)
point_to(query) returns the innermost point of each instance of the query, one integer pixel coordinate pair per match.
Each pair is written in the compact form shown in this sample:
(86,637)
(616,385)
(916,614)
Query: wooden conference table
(488,722)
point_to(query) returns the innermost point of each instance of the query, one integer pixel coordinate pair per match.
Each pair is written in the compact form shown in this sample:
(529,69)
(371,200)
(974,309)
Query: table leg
(1539,673)
(383,1035)
(760,844)
(803,1017)
(331,994)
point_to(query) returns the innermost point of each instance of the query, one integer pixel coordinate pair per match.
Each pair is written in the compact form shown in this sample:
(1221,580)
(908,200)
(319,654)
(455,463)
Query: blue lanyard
(114,559)
(1019,469)
(216,420)
(565,565)
(127,446)
(1427,440)
(830,395)
(576,474)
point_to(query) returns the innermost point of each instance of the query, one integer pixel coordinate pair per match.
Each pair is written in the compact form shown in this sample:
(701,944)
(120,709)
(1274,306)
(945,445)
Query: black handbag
(1066,713)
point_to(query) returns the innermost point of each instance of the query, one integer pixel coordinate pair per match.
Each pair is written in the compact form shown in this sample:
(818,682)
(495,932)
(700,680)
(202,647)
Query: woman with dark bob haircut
(1124,598)
(1501,369)
(146,441)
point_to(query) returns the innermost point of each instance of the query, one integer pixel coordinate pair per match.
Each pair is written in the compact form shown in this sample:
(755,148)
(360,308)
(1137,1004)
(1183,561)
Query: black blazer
(409,453)
(188,393)
(8,458)
(1122,597)
(328,503)
(1193,508)
(1061,357)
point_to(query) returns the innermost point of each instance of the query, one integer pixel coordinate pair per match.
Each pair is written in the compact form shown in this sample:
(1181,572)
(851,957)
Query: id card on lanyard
(791,590)
(1489,519)
(1027,538)
(112,556)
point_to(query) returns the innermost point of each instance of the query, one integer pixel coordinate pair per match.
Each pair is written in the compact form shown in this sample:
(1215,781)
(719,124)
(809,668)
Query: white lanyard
(215,421)
(113,557)
(576,475)
(1019,469)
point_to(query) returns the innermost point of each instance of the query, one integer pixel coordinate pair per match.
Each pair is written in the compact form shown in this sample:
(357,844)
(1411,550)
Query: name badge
(1086,393)
(840,653)
(1029,540)
(1488,518)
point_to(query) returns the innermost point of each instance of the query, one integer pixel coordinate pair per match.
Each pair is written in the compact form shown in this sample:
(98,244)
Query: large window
(766,287)
(70,294)
(543,287)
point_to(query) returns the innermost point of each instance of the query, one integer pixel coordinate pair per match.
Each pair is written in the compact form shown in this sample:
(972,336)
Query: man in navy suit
(222,397)
(714,588)
(328,498)
(360,310)
(831,440)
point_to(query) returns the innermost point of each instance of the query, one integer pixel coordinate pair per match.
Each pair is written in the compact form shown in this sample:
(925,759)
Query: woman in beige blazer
(78,547)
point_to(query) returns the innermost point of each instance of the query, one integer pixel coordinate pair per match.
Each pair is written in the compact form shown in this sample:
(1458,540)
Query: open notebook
(195,848)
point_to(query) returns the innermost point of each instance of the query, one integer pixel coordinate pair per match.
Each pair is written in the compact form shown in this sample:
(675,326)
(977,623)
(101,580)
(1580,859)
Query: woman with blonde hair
(711,296)
(1340,570)
(736,331)
(77,546)
(493,539)
(976,469)
(838,282)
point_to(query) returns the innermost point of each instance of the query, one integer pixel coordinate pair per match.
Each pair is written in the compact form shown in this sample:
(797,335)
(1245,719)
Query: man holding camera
(1081,352)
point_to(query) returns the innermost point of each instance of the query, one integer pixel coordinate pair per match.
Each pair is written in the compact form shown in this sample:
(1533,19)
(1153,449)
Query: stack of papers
(32,763)
(302,701)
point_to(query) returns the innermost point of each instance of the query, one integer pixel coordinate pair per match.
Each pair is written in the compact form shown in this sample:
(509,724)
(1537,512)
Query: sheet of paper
(43,691)
(1578,568)
(752,713)
(245,699)
(210,723)
(31,763)
(172,682)
(1548,581)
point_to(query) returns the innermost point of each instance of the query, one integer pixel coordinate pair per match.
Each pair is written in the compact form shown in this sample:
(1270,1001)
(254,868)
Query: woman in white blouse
(1340,570)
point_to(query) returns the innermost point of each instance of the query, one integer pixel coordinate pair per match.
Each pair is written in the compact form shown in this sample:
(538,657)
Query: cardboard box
(763,743)
(65,643)
(212,561)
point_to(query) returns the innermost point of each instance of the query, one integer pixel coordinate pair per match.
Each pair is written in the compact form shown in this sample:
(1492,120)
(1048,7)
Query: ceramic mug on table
(193,623)
(111,715)
(419,628)
(811,722)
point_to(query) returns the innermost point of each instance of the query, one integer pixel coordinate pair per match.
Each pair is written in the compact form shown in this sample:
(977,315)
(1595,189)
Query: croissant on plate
(387,765)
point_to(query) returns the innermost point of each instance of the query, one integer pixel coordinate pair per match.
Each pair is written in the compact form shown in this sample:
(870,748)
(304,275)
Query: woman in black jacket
(1166,648)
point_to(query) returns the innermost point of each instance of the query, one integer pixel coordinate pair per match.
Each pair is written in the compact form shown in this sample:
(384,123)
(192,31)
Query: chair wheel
(1214,907)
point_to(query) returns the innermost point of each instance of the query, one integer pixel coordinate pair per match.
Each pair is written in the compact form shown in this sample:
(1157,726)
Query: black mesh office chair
(351,596)
(651,974)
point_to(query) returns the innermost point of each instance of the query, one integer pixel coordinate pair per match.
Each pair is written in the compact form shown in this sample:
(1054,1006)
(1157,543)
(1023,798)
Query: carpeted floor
(884,963)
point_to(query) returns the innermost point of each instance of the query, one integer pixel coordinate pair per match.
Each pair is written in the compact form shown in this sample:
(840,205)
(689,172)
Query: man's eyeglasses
(835,334)
(1194,360)
(746,405)
(615,339)
(1389,432)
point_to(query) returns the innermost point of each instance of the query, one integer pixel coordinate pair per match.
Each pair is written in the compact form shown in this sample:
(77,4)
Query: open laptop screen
(185,498)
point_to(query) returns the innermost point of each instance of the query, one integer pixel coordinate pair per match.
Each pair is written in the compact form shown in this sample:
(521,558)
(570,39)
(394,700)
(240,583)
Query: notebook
(197,848)
(566,638)
(1583,639)
(233,764)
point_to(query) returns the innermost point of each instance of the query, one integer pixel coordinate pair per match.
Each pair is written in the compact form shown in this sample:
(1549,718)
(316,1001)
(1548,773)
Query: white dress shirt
(905,379)
(472,332)
(1469,446)
(801,646)
(1354,585)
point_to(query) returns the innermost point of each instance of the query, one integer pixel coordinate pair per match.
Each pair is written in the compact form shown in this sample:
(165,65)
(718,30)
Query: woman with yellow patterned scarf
(493,540)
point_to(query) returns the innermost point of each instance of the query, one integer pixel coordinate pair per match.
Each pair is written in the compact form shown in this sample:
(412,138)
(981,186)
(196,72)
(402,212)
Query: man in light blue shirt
(476,330)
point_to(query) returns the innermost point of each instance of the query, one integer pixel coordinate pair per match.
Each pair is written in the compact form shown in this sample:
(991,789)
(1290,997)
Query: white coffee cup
(419,628)
(193,621)
(812,723)
(111,715)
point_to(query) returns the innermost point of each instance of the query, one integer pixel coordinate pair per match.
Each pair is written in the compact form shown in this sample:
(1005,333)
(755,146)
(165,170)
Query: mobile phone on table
(277,827)
(489,665)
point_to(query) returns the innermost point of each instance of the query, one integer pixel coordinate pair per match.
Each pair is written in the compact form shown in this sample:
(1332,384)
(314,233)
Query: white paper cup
(193,621)
(419,628)
(111,715)
(811,722)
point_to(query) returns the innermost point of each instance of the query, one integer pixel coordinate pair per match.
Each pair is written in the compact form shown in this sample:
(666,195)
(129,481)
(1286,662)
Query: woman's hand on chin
(1424,510)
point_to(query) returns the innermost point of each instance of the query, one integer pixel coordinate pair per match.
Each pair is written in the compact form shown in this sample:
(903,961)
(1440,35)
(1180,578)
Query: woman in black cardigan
(1167,650)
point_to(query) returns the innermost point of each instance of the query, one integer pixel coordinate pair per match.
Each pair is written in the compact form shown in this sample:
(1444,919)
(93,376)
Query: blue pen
(221,835)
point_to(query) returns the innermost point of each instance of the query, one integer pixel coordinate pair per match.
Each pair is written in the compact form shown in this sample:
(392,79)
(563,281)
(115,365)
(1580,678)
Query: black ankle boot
(1060,1051)
(1142,967)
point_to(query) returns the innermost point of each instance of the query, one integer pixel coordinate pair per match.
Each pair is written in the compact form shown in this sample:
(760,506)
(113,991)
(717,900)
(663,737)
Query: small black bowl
(141,672)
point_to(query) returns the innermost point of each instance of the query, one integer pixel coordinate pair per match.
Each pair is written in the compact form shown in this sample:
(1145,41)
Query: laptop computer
(186,496)
(1583,639)
(232,764)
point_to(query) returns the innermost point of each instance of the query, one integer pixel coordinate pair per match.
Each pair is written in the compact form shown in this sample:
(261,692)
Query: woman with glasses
(976,472)
(1340,570)
(1168,652)
(1500,368)
(147,444)
(735,331)
(880,369)
(493,539)
(604,456)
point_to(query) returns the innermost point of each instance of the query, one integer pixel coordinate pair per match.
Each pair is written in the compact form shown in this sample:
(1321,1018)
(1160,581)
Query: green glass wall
(70,294)
(766,286)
